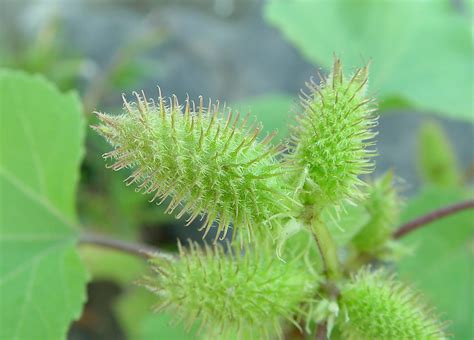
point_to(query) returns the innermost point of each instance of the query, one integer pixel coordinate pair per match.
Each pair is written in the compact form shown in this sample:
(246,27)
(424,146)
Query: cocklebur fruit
(206,159)
(383,205)
(436,157)
(375,306)
(249,294)
(332,139)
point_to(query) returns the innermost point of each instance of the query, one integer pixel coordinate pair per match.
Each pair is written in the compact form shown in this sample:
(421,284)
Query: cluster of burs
(284,270)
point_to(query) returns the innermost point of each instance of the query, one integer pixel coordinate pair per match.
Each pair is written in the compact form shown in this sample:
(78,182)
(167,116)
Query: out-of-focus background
(254,55)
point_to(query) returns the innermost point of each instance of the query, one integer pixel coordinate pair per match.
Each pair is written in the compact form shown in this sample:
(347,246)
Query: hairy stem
(321,331)
(430,217)
(133,248)
(326,246)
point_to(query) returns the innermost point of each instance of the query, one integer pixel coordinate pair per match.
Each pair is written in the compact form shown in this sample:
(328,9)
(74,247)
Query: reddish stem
(434,215)
(133,248)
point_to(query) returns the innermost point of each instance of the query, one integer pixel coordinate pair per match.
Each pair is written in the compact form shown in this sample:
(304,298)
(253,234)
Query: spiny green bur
(332,137)
(437,161)
(211,166)
(377,307)
(383,205)
(248,295)
(206,159)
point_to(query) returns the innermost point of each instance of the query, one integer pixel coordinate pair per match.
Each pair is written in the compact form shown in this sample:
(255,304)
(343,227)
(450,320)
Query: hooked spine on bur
(212,165)
(247,294)
(375,306)
(383,205)
(207,160)
(333,135)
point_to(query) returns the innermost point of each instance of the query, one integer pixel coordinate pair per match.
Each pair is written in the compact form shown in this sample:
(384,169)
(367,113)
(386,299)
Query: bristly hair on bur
(245,296)
(376,306)
(332,140)
(205,158)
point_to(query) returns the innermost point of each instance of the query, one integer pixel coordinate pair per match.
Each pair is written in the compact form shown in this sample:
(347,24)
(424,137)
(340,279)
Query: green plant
(403,54)
(309,227)
(437,161)
(217,169)
(367,29)
(248,295)
(202,158)
(383,206)
(377,307)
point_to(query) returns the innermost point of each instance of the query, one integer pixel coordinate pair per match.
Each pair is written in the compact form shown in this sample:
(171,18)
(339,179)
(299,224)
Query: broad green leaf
(420,51)
(42,279)
(134,311)
(441,264)
(161,326)
(272,110)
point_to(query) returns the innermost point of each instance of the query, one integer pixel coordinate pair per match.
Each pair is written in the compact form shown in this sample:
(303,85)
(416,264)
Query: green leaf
(421,51)
(443,257)
(273,110)
(134,312)
(42,279)
(160,327)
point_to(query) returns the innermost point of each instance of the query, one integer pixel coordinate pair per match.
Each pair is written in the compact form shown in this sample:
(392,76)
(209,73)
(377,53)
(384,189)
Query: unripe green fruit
(248,295)
(374,306)
(332,137)
(208,161)
(383,206)
(436,157)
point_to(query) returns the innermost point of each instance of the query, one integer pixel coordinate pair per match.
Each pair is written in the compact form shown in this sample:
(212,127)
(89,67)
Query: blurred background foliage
(256,55)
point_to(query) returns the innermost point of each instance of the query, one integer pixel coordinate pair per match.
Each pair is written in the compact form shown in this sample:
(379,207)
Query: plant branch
(432,216)
(133,248)
(326,247)
(321,331)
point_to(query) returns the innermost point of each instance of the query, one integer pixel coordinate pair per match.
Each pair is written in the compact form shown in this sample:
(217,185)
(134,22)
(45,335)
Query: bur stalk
(332,147)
